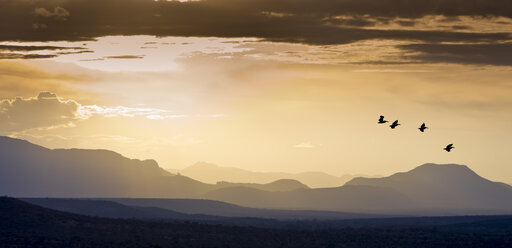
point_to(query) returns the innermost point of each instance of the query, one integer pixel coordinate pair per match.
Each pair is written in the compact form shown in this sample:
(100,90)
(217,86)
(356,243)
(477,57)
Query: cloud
(306,145)
(58,13)
(44,52)
(39,26)
(125,57)
(305,21)
(19,79)
(163,117)
(47,111)
(479,54)
(313,22)
(36,48)
(26,56)
(44,111)
(87,111)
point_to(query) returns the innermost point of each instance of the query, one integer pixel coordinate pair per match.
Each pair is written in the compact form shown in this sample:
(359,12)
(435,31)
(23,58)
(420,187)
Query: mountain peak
(429,166)
(288,184)
(280,185)
(202,164)
(444,185)
(432,169)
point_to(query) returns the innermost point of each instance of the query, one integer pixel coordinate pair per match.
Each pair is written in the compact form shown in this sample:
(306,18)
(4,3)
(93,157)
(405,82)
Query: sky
(264,85)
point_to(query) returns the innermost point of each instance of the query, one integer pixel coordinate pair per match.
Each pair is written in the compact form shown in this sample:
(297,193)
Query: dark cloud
(319,22)
(17,52)
(460,27)
(35,48)
(75,52)
(26,56)
(479,54)
(352,21)
(125,57)
(306,21)
(406,23)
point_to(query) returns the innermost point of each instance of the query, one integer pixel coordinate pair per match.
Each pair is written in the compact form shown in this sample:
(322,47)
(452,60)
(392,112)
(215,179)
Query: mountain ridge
(28,170)
(212,173)
(450,185)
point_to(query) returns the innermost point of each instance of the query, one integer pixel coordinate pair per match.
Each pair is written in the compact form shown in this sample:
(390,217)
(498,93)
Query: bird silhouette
(394,124)
(423,127)
(381,120)
(449,147)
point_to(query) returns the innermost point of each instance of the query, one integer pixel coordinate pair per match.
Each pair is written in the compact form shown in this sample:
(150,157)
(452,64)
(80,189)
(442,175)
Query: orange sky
(272,104)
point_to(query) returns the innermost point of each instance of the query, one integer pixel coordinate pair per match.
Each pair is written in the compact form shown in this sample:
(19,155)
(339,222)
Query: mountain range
(28,170)
(429,189)
(211,173)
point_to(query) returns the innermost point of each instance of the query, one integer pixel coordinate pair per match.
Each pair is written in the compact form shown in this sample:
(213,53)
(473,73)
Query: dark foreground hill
(110,209)
(218,208)
(26,225)
(182,209)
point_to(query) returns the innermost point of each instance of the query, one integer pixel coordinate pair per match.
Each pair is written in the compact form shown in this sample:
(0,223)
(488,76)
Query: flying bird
(381,120)
(394,124)
(449,147)
(423,127)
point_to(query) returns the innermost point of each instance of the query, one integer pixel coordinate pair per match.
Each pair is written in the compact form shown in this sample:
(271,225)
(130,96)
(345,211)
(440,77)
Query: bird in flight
(423,127)
(381,120)
(394,124)
(449,147)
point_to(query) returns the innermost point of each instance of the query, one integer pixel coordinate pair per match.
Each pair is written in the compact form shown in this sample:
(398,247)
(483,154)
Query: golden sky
(264,85)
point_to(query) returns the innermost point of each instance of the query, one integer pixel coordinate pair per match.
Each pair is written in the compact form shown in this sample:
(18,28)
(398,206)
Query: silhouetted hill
(446,186)
(26,225)
(218,208)
(211,173)
(28,170)
(426,190)
(346,198)
(279,185)
(108,209)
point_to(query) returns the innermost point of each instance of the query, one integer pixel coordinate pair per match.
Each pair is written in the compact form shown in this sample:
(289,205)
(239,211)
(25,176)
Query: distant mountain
(446,186)
(429,189)
(28,170)
(345,198)
(211,173)
(276,186)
